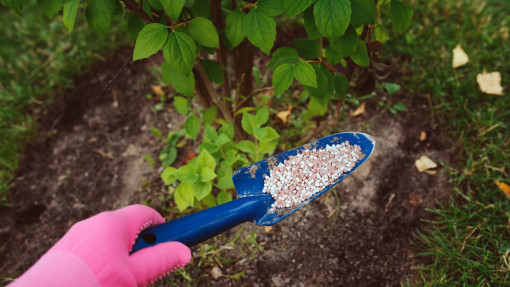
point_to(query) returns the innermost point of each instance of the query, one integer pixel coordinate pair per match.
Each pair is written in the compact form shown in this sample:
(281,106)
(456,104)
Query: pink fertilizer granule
(309,172)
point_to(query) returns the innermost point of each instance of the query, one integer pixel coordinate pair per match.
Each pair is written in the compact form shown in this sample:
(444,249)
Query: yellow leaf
(360,110)
(284,115)
(460,58)
(424,163)
(157,90)
(423,136)
(267,229)
(505,188)
(490,83)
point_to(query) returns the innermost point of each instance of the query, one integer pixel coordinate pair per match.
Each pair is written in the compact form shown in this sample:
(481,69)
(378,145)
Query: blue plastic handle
(200,226)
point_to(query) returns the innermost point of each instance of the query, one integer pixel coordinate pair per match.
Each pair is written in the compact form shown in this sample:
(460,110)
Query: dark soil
(88,157)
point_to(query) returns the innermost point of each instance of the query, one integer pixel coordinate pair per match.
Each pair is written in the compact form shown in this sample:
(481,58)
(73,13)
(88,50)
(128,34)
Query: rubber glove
(95,252)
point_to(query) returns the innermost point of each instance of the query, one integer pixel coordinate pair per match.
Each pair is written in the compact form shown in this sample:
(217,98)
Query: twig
(115,76)
(249,5)
(133,6)
(179,24)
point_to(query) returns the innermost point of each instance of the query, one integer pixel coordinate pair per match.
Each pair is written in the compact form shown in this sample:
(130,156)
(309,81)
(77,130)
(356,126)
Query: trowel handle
(200,226)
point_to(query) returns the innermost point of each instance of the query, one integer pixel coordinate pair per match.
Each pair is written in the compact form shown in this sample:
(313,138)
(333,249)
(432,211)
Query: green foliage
(401,15)
(260,30)
(150,40)
(332,17)
(180,52)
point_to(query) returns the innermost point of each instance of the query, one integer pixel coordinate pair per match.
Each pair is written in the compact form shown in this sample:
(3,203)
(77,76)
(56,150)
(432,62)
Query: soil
(88,157)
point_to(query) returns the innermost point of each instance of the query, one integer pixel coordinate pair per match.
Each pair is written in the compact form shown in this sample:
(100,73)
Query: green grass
(469,241)
(38,57)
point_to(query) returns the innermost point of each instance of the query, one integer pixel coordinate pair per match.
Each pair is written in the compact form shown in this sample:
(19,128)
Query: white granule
(309,172)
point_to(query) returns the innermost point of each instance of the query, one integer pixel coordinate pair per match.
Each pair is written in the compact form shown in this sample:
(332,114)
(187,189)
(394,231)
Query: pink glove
(95,252)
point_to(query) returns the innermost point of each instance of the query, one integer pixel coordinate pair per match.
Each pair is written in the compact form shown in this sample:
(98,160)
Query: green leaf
(294,7)
(207,174)
(209,201)
(307,49)
(399,106)
(281,56)
(155,4)
(69,14)
(224,197)
(341,85)
(184,193)
(271,135)
(260,133)
(317,107)
(248,122)
(168,156)
(210,133)
(205,159)
(332,56)
(173,8)
(135,25)
(244,110)
(156,132)
(401,16)
(271,7)
(360,55)
(260,30)
(305,74)
(310,27)
(262,116)
(392,88)
(228,130)
(181,105)
(187,173)
(213,70)
(246,146)
(203,32)
(168,175)
(332,17)
(283,77)
(192,126)
(222,139)
(97,18)
(201,8)
(50,7)
(150,40)
(325,83)
(209,115)
(381,34)
(150,159)
(180,52)
(184,85)
(225,182)
(363,12)
(234,27)
(15,5)
(346,44)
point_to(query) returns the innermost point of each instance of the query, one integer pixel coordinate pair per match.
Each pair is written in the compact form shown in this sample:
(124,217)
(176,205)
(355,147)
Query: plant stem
(133,6)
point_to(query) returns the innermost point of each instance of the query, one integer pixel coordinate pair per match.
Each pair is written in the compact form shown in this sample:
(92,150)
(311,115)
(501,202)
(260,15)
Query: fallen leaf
(268,229)
(103,154)
(423,136)
(216,272)
(424,163)
(460,58)
(505,188)
(191,154)
(414,199)
(157,90)
(284,115)
(360,110)
(490,83)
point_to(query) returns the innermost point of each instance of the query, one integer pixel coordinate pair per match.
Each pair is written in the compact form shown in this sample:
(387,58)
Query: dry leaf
(157,90)
(360,110)
(505,188)
(190,155)
(103,154)
(216,272)
(423,136)
(414,199)
(424,163)
(490,83)
(460,58)
(284,115)
(267,229)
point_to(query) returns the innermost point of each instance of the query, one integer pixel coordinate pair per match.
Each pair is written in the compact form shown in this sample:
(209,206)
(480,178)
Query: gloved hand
(95,252)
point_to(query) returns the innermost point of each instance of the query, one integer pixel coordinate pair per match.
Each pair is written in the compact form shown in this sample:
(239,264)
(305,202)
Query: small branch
(115,76)
(325,64)
(252,94)
(249,5)
(179,24)
(133,6)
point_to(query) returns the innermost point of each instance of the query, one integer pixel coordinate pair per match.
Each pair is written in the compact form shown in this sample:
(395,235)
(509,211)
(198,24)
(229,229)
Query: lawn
(469,242)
